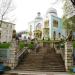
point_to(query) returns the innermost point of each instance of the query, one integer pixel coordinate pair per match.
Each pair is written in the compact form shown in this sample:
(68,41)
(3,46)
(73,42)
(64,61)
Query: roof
(52,10)
(39,16)
(7,22)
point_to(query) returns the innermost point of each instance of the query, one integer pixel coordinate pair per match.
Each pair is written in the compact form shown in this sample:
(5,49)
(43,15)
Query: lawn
(7,45)
(4,45)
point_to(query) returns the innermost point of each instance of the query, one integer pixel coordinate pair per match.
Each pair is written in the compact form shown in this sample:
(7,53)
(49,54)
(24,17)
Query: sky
(26,11)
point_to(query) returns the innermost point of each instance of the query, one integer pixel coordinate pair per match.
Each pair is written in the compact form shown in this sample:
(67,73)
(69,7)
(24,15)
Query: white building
(52,25)
(36,25)
(6,30)
(45,28)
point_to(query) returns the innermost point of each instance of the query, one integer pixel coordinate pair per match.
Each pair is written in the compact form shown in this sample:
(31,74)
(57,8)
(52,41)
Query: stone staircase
(46,60)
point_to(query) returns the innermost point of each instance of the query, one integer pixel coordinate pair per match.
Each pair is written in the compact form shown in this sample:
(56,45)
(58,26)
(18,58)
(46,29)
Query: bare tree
(6,6)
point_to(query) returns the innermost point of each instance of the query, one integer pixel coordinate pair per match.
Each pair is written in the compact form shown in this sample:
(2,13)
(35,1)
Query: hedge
(21,44)
(4,45)
(73,44)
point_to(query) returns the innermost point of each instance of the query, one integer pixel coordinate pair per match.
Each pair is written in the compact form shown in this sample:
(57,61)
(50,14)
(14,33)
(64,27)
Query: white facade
(36,24)
(52,23)
(48,26)
(6,30)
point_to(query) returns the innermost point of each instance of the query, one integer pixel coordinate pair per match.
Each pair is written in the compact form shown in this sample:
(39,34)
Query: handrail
(19,53)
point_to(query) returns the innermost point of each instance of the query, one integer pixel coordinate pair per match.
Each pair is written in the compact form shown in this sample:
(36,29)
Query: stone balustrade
(68,55)
(12,61)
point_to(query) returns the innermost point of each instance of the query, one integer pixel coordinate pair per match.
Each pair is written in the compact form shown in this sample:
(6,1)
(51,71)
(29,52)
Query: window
(38,26)
(46,24)
(11,26)
(55,23)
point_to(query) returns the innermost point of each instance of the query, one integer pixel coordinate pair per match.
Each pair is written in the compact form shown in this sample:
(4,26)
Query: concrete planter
(4,54)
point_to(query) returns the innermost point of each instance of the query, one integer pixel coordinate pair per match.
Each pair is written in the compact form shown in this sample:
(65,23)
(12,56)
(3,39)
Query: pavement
(36,73)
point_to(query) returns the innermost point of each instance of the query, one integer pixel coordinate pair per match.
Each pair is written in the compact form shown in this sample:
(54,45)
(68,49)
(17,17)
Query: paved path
(37,73)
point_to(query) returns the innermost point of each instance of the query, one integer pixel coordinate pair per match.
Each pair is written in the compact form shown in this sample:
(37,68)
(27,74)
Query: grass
(21,44)
(4,45)
(73,44)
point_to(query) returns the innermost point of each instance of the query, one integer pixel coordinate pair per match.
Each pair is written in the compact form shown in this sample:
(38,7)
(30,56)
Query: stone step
(46,60)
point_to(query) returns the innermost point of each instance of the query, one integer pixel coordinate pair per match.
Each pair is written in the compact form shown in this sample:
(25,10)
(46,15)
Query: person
(28,40)
(25,41)
(74,57)
(37,47)
(35,43)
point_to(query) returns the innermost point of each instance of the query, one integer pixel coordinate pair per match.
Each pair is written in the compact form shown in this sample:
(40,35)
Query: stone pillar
(13,60)
(68,55)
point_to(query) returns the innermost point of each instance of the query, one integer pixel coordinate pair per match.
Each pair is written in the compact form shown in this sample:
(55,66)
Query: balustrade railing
(20,52)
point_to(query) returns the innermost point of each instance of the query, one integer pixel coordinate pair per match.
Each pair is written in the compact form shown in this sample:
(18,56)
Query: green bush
(31,45)
(4,45)
(63,46)
(58,46)
(73,44)
(21,44)
(71,70)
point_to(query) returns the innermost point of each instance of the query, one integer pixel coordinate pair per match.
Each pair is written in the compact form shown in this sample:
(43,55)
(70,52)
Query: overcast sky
(26,11)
